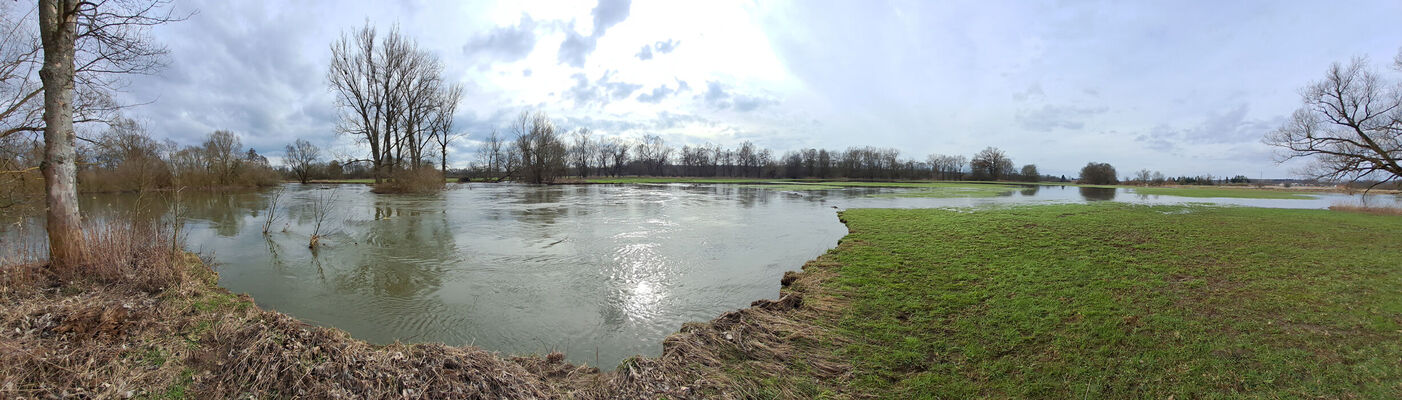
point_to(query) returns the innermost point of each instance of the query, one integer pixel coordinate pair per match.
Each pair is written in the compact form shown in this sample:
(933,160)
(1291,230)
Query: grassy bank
(1118,301)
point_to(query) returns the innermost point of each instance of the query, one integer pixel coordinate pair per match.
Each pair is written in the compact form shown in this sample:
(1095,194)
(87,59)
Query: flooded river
(601,272)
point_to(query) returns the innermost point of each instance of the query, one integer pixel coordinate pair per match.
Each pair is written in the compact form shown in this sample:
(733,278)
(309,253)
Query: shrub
(143,256)
(422,180)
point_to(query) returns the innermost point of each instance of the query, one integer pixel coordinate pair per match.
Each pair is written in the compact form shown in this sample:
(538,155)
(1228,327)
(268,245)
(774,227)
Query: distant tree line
(124,158)
(541,152)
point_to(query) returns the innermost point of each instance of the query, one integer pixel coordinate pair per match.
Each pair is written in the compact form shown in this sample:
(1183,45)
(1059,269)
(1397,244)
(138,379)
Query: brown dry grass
(423,180)
(1375,210)
(143,319)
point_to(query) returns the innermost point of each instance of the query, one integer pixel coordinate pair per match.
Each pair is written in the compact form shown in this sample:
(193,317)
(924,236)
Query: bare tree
(322,205)
(493,157)
(603,153)
(1350,125)
(112,37)
(442,128)
(540,149)
(221,152)
(582,152)
(1143,176)
(273,201)
(947,167)
(388,91)
(991,163)
(301,157)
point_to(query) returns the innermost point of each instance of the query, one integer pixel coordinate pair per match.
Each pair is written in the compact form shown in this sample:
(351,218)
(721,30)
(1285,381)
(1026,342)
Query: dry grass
(141,318)
(1375,210)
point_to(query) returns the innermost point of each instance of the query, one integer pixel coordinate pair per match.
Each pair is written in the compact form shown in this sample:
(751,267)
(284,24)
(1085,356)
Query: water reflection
(1097,194)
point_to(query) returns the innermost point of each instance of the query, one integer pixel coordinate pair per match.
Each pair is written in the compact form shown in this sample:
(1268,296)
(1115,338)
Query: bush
(422,180)
(142,256)
(1098,174)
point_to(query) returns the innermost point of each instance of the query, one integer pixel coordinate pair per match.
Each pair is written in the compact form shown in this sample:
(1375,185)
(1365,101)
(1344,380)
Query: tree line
(125,158)
(540,152)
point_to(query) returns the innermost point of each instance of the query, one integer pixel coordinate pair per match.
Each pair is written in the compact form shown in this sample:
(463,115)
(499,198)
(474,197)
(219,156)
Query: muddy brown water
(601,272)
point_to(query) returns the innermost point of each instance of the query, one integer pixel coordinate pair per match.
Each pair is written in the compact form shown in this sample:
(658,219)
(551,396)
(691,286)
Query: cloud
(576,47)
(1229,126)
(660,47)
(719,98)
(1049,117)
(609,13)
(663,92)
(506,43)
(600,92)
(667,46)
(1033,92)
(290,99)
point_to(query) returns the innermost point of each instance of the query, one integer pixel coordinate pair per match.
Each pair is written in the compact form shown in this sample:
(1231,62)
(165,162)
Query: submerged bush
(422,180)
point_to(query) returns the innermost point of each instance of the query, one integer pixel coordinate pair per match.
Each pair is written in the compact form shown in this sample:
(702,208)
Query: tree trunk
(57,26)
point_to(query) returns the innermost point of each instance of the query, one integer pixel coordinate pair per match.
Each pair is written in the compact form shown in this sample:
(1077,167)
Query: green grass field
(1114,301)
(1245,193)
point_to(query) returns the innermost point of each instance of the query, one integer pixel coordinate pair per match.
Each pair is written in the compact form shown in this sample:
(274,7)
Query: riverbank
(1105,300)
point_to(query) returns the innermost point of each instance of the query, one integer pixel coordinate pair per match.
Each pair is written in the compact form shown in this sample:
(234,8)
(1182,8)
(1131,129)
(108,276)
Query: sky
(1182,87)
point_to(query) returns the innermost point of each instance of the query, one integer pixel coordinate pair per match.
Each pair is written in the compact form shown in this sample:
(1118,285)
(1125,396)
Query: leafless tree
(540,149)
(619,155)
(1143,176)
(582,151)
(322,205)
(390,94)
(653,154)
(1350,125)
(603,153)
(221,152)
(88,45)
(947,167)
(442,127)
(271,215)
(991,163)
(301,157)
(493,157)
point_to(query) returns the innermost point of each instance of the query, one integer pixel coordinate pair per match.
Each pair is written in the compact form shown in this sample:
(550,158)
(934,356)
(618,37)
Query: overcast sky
(1182,87)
